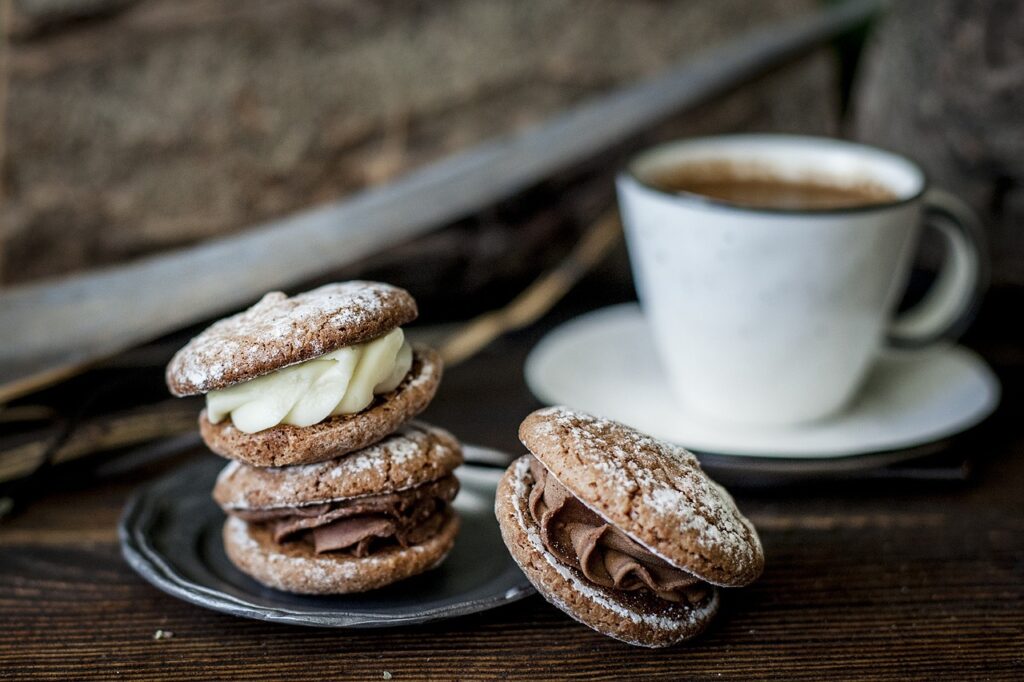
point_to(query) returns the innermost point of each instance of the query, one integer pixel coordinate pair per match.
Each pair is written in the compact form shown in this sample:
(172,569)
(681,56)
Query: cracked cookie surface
(279,331)
(416,453)
(653,491)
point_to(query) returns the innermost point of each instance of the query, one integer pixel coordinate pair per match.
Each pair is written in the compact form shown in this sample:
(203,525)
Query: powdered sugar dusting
(685,617)
(411,453)
(279,331)
(659,492)
(227,472)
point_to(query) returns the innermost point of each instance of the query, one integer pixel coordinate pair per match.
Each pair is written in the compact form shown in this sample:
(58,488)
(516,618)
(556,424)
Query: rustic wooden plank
(884,601)
(50,328)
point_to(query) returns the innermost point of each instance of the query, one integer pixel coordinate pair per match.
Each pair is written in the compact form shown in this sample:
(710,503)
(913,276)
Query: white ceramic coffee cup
(771,316)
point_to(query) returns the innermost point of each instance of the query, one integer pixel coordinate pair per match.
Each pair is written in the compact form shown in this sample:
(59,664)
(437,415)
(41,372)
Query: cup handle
(950,304)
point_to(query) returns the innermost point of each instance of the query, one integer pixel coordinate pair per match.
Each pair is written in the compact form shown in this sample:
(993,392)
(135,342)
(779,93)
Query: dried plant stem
(108,432)
(530,305)
(173,417)
(26,413)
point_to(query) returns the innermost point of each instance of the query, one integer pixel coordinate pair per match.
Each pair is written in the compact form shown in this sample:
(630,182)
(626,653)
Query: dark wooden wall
(139,126)
(943,81)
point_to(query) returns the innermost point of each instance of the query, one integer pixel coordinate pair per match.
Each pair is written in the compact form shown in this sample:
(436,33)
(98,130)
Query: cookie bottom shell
(296,568)
(632,617)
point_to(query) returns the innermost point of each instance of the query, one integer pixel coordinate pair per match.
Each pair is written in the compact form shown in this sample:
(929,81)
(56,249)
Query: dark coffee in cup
(756,187)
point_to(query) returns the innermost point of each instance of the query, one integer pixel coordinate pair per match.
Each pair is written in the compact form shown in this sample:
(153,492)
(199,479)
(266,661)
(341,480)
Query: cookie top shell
(416,453)
(653,491)
(284,330)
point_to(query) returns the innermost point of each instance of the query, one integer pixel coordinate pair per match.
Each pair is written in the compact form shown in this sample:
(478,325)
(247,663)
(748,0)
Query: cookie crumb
(386,675)
(163,634)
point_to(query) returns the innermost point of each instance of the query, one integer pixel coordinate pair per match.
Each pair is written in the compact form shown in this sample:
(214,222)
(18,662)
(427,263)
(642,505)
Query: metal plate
(171,535)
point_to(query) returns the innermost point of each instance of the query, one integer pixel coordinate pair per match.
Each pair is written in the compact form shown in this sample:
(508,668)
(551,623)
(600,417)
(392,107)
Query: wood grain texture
(863,580)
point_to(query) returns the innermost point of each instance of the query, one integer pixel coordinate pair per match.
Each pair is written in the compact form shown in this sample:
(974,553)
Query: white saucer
(604,363)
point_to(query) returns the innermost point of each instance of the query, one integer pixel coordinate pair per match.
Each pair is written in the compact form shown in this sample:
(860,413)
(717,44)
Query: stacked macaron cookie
(621,531)
(332,488)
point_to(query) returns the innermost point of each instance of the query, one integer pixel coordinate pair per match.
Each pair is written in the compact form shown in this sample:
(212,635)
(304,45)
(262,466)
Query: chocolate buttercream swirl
(580,538)
(361,525)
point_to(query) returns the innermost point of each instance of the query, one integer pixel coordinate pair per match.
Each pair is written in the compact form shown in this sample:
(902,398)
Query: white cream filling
(341,382)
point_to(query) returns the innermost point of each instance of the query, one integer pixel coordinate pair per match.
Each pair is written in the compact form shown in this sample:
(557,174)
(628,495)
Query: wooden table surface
(867,579)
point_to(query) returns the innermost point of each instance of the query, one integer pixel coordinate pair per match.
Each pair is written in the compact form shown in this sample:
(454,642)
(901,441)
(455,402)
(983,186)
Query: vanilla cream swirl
(341,382)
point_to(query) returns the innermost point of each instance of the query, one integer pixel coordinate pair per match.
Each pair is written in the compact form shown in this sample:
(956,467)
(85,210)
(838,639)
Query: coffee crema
(755,187)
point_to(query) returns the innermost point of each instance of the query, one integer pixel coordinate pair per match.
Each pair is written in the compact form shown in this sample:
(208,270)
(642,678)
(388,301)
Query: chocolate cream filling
(361,525)
(605,555)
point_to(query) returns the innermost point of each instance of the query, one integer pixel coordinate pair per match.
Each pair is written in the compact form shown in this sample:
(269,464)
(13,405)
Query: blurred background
(134,128)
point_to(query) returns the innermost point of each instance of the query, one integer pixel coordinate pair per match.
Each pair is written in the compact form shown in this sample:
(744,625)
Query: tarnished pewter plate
(171,535)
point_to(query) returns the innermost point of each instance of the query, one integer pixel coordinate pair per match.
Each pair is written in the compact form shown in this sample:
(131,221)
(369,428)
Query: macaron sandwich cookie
(307,378)
(349,524)
(623,532)
(332,488)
